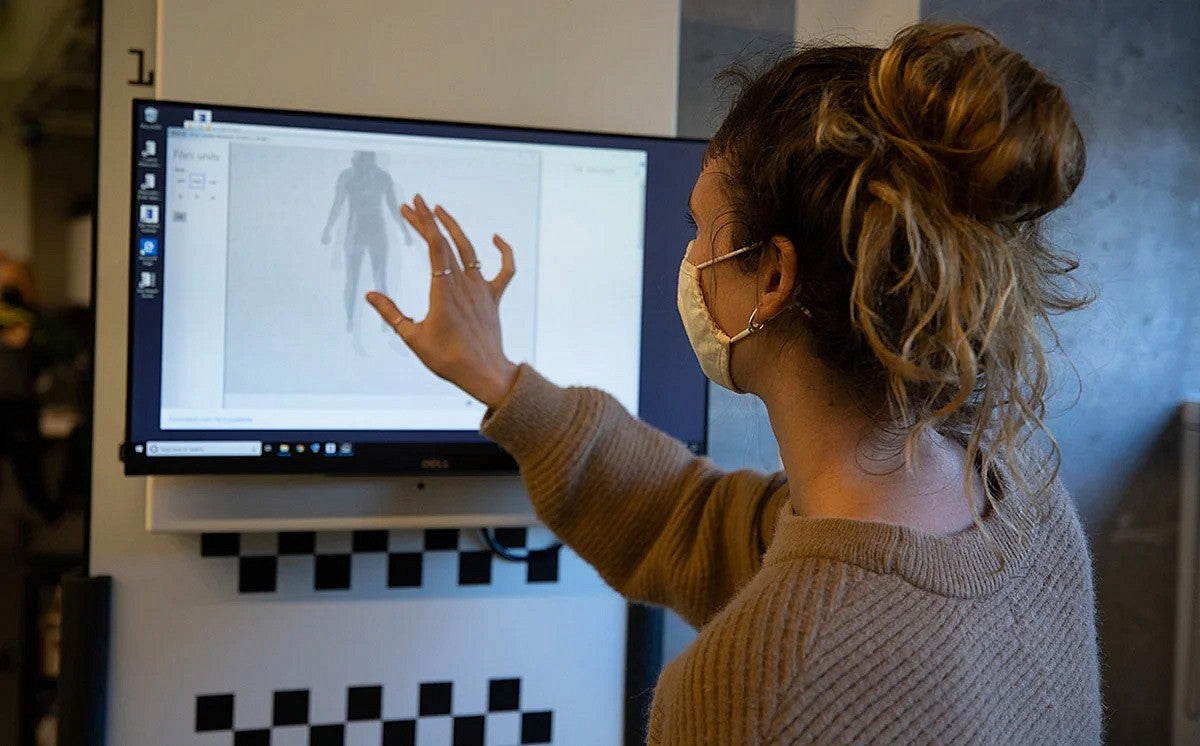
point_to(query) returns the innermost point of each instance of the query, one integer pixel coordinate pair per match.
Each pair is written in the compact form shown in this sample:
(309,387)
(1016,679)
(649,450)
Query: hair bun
(978,120)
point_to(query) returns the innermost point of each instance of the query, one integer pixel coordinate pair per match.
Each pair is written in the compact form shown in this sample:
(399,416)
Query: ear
(776,278)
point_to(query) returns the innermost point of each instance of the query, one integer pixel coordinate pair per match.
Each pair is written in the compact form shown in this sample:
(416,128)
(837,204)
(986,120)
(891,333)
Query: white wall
(180,626)
(15,185)
(609,65)
(871,22)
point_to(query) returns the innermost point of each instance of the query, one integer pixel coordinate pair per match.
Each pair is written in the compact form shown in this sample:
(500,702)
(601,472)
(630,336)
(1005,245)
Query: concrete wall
(1137,350)
(1133,223)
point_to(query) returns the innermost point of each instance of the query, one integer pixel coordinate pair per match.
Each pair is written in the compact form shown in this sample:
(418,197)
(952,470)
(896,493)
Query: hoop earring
(753,326)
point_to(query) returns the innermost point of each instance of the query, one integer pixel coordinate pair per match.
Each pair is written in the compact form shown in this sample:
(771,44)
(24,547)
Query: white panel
(609,65)
(118,544)
(182,624)
(190,504)
(197,634)
(565,661)
(872,22)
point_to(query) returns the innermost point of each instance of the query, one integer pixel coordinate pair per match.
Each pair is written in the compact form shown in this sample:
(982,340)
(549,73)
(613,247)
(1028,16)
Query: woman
(868,261)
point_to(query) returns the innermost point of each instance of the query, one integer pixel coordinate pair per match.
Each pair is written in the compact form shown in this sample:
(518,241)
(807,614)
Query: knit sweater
(816,630)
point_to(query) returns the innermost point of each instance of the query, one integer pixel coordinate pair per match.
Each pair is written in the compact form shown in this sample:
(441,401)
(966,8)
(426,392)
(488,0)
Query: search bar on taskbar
(204,448)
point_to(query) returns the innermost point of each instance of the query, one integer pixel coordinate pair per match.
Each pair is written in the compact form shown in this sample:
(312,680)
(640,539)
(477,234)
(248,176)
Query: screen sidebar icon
(148,239)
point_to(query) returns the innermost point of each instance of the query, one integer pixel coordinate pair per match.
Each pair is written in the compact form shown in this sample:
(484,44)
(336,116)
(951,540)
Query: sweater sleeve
(658,523)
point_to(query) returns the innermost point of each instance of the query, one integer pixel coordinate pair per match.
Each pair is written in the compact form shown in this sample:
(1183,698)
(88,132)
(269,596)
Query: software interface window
(274,234)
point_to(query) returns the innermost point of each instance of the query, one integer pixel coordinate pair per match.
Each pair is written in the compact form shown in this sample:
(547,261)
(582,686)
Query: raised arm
(660,524)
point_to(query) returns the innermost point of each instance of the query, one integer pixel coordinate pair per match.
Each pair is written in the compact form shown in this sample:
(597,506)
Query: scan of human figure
(284,313)
(367,191)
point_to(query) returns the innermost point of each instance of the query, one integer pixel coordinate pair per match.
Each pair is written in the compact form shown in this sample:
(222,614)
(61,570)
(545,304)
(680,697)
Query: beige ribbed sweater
(816,630)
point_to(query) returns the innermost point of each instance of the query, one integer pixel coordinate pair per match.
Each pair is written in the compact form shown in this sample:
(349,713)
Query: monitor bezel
(400,459)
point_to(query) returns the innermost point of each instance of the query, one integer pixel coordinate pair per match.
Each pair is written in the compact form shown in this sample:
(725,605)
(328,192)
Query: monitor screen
(257,232)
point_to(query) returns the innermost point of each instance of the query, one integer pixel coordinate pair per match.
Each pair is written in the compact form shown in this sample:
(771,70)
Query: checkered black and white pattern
(430,721)
(408,555)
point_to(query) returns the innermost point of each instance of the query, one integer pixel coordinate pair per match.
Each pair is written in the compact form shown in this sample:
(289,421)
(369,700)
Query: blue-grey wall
(1130,70)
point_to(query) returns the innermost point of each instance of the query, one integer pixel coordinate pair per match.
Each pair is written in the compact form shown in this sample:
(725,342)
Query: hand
(459,339)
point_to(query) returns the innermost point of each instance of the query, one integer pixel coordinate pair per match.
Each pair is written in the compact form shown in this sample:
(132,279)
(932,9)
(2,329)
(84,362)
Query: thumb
(392,316)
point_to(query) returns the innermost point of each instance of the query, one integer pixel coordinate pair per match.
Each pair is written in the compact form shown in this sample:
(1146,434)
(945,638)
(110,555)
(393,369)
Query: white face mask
(709,342)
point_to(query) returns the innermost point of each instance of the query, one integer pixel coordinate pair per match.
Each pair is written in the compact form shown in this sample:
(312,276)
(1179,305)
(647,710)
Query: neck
(825,444)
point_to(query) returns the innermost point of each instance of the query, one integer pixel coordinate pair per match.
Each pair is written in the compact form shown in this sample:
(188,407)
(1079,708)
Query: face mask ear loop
(730,255)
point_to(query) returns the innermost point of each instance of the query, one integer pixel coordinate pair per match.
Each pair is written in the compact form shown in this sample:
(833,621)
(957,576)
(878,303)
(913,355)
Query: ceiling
(48,66)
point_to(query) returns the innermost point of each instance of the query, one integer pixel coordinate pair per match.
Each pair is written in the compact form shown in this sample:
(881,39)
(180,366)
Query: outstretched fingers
(441,257)
(465,250)
(404,325)
(508,267)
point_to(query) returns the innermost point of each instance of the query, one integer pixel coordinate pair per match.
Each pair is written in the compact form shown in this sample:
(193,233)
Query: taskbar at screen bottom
(315,457)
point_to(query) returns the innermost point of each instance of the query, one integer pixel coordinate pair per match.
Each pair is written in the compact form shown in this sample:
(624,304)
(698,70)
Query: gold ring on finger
(473,265)
(443,272)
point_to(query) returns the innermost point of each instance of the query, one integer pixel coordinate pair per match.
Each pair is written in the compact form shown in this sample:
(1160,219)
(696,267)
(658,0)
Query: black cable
(506,553)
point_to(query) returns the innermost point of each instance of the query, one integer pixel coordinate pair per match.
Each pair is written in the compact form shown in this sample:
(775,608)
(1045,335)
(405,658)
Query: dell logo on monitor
(435,463)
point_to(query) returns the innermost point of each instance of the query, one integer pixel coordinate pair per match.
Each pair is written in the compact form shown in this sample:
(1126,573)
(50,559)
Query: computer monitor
(255,234)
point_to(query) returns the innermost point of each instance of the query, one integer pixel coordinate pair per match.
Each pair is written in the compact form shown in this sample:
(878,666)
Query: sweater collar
(973,562)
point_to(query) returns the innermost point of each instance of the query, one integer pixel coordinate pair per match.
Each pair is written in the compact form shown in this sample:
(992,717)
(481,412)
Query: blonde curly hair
(913,181)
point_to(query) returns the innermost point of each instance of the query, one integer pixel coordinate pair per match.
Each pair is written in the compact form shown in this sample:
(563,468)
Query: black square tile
(512,538)
(474,568)
(260,737)
(535,727)
(257,574)
(290,708)
(504,695)
(214,712)
(543,566)
(220,545)
(364,703)
(435,698)
(468,731)
(400,733)
(332,572)
(441,538)
(370,541)
(404,570)
(297,542)
(327,735)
